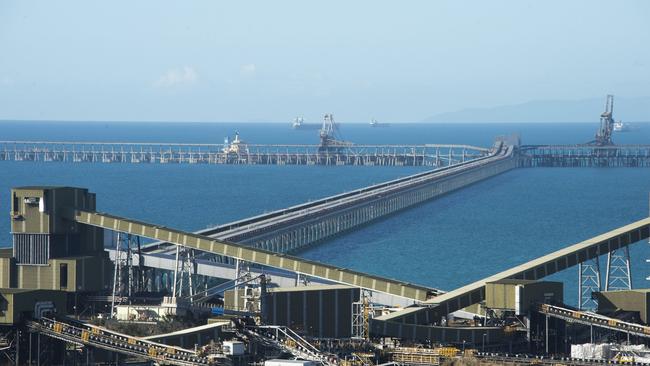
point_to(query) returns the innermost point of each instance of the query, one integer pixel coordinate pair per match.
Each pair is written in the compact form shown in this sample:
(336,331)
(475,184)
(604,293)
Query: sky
(396,61)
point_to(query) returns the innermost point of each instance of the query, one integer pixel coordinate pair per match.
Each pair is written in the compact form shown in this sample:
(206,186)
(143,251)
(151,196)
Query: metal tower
(589,282)
(619,275)
(604,134)
(123,259)
(361,316)
(128,276)
(330,140)
(648,260)
(185,269)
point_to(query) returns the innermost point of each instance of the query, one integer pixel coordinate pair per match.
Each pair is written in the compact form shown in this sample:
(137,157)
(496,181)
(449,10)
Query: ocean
(445,243)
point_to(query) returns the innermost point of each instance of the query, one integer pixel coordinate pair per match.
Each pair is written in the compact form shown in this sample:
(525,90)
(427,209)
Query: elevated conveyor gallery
(93,336)
(257,256)
(592,319)
(410,321)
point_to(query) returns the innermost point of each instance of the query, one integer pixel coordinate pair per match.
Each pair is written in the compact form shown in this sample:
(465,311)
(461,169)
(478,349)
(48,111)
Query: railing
(585,156)
(127,152)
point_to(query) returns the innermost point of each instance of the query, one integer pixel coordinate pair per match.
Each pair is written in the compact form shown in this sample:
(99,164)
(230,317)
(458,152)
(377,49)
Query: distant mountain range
(587,110)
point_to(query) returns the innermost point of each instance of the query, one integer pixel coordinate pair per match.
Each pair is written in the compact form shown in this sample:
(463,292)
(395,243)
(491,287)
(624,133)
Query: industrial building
(53,260)
(319,311)
(520,296)
(18,305)
(635,301)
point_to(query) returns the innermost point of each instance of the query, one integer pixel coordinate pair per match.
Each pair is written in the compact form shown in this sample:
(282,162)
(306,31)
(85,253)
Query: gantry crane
(604,134)
(330,140)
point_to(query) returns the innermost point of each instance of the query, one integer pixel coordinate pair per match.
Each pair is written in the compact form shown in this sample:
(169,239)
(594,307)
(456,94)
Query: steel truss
(589,282)
(619,274)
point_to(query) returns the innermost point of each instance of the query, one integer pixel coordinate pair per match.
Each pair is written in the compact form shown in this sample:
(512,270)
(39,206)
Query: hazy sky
(272,60)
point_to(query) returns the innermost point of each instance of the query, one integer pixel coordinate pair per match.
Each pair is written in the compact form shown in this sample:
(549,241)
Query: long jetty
(429,155)
(296,227)
(585,155)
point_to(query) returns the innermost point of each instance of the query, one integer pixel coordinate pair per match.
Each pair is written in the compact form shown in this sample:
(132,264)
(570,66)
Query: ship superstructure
(620,126)
(298,122)
(237,146)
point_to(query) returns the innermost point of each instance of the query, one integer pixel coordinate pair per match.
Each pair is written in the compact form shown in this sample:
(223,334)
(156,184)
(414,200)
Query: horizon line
(289,123)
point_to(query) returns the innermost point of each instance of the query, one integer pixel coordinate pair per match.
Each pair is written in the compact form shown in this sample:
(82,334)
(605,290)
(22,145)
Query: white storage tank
(233,348)
(289,363)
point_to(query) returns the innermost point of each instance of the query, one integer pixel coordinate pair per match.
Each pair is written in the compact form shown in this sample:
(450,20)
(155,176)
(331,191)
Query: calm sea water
(445,243)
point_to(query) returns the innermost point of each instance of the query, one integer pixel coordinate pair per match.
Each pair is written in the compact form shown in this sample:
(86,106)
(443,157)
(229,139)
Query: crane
(604,134)
(330,140)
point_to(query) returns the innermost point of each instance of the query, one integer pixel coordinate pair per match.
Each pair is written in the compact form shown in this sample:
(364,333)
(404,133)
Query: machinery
(604,134)
(330,139)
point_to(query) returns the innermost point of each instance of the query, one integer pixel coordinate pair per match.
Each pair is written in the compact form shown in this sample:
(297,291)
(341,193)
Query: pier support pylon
(619,274)
(589,282)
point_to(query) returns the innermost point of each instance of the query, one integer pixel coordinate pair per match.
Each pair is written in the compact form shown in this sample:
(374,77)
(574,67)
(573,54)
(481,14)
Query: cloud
(177,77)
(247,70)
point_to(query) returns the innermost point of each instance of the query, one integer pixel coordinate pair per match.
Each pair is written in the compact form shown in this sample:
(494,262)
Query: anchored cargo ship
(375,123)
(299,124)
(620,126)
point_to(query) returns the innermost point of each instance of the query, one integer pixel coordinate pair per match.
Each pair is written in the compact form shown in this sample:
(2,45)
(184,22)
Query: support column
(588,282)
(619,275)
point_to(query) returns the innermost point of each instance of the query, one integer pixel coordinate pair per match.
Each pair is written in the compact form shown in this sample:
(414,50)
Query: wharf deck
(432,155)
(585,156)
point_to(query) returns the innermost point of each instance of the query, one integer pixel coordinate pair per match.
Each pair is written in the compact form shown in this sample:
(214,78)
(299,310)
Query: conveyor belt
(93,336)
(258,256)
(597,320)
(286,340)
(532,270)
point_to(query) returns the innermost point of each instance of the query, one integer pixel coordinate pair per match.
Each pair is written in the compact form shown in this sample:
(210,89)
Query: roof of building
(310,288)
(514,281)
(73,257)
(7,291)
(47,187)
(297,362)
(199,328)
(640,290)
